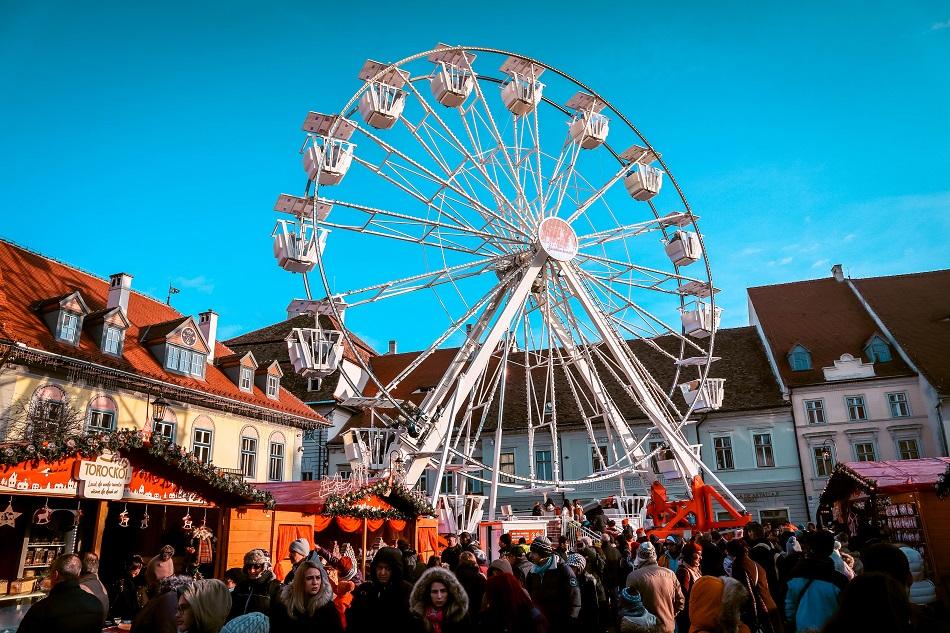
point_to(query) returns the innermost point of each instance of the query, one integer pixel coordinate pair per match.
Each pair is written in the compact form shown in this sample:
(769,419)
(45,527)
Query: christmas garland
(348,504)
(943,484)
(125,440)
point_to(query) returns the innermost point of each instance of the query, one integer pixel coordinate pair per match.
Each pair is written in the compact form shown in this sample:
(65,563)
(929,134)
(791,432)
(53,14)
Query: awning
(887,477)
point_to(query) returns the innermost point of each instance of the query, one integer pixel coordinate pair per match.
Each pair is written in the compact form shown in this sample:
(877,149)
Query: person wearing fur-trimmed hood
(258,588)
(307,603)
(715,604)
(439,604)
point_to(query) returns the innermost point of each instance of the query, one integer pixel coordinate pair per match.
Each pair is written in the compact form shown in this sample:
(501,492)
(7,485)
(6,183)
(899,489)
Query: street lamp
(159,407)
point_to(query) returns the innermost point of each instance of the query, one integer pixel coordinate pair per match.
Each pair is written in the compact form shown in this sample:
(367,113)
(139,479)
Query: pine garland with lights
(943,484)
(348,504)
(125,440)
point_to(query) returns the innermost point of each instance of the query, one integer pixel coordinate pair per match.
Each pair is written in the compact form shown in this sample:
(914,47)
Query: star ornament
(8,516)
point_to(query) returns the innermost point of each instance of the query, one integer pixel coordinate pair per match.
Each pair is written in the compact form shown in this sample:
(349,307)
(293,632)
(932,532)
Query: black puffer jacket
(557,593)
(379,607)
(254,595)
(67,609)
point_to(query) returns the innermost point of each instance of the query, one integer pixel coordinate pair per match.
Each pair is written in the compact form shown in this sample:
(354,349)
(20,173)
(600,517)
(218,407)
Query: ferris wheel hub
(557,239)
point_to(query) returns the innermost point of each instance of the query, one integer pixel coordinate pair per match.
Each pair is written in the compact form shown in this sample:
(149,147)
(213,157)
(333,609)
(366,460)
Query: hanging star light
(8,516)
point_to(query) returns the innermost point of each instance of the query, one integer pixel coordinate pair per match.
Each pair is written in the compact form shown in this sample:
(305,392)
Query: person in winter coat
(688,573)
(203,607)
(761,551)
(67,608)
(715,605)
(471,579)
(124,594)
(159,614)
(520,565)
(160,567)
(382,602)
(814,587)
(343,589)
(632,616)
(658,587)
(592,595)
(452,552)
(611,575)
(258,588)
(306,604)
(299,550)
(508,608)
(438,604)
(714,551)
(553,587)
(89,581)
(760,612)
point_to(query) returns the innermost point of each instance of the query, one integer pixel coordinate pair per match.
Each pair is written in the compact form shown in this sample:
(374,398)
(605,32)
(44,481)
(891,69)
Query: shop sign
(755,496)
(528,535)
(104,478)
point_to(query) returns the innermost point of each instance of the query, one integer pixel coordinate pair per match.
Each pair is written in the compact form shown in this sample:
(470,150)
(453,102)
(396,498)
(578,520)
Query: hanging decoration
(124,517)
(187,523)
(144,524)
(8,516)
(414,503)
(203,544)
(43,515)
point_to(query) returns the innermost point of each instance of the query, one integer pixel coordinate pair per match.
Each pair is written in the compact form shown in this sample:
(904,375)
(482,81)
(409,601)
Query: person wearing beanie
(382,602)
(593,599)
(343,589)
(657,586)
(500,566)
(520,565)
(299,550)
(715,605)
(258,588)
(439,604)
(688,572)
(203,607)
(553,587)
(307,603)
(633,616)
(250,623)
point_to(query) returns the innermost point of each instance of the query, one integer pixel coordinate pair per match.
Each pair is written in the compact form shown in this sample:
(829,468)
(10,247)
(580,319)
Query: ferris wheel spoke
(614,271)
(427,174)
(597,195)
(561,180)
(428,280)
(622,232)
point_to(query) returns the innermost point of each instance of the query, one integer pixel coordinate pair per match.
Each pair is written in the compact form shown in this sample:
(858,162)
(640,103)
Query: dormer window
(877,350)
(799,358)
(273,387)
(245,381)
(68,328)
(184,361)
(112,340)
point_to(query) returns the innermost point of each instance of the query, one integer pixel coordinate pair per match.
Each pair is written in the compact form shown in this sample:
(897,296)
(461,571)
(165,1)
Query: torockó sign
(104,478)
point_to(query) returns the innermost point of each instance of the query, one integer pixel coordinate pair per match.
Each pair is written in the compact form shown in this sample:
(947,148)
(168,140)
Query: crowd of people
(619,580)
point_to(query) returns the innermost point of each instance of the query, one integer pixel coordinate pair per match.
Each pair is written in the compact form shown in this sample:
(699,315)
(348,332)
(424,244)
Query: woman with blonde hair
(203,607)
(306,604)
(439,604)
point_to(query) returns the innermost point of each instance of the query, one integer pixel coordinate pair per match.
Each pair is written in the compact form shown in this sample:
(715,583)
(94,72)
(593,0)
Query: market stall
(115,494)
(896,500)
(333,514)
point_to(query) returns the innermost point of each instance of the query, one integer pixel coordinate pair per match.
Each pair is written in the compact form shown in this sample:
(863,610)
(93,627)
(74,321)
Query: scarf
(435,617)
(540,569)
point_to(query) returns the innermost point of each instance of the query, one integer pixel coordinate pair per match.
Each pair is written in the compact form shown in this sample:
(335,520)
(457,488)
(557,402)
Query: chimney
(208,324)
(392,346)
(837,272)
(120,285)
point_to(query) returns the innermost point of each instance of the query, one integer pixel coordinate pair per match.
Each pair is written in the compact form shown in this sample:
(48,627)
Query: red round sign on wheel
(558,239)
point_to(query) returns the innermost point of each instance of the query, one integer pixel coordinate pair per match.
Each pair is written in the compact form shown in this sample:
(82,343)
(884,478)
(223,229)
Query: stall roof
(888,477)
(299,496)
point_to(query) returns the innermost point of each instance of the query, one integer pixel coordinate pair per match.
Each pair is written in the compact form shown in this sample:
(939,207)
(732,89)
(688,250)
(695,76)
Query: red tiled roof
(826,318)
(27,278)
(916,310)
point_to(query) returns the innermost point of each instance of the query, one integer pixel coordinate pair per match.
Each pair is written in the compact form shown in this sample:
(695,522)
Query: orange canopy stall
(329,512)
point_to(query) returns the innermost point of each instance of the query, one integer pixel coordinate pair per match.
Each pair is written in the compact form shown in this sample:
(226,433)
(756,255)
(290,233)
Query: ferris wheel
(536,237)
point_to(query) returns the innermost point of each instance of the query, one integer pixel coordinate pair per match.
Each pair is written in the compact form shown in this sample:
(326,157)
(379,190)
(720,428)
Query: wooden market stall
(897,500)
(328,513)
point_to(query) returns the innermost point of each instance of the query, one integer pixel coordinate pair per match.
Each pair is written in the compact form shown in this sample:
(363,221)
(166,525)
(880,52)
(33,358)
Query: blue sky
(153,138)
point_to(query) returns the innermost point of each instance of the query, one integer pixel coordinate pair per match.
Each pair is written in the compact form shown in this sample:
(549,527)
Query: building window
(908,449)
(775,516)
(877,350)
(824,461)
(898,404)
(245,378)
(165,429)
(101,421)
(799,359)
(275,471)
(506,462)
(723,446)
(69,328)
(273,386)
(185,361)
(112,340)
(856,408)
(201,445)
(864,451)
(815,411)
(448,484)
(306,475)
(249,456)
(476,486)
(314,384)
(655,456)
(542,465)
(764,458)
(595,460)
(423,484)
